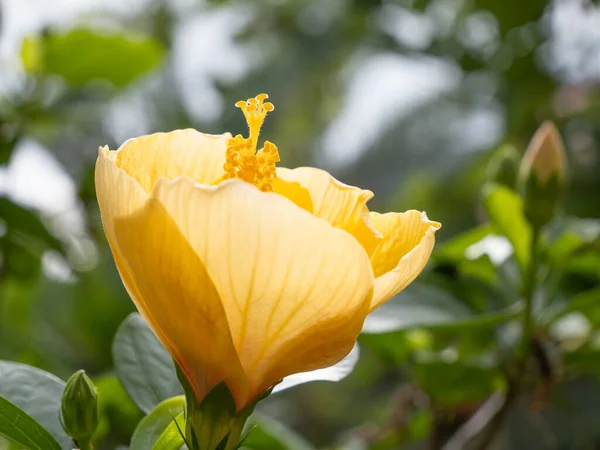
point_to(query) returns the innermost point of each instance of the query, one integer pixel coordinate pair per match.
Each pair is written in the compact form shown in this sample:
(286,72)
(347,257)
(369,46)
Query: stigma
(242,158)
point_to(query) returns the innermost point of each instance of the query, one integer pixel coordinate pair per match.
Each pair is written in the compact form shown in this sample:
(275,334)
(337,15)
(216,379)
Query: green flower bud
(80,413)
(504,166)
(542,175)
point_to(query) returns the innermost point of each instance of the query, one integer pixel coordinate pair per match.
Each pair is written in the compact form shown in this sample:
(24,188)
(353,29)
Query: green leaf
(481,269)
(21,429)
(265,433)
(587,302)
(171,438)
(505,209)
(151,427)
(119,414)
(394,349)
(36,392)
(26,223)
(420,5)
(419,425)
(585,360)
(454,383)
(425,306)
(143,365)
(454,250)
(513,13)
(83,55)
(9,138)
(571,235)
(586,264)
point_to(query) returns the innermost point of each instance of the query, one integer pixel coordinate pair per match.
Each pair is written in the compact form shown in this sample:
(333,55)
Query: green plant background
(440,349)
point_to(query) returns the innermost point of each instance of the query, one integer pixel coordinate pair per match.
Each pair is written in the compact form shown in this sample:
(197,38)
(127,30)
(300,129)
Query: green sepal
(540,200)
(215,423)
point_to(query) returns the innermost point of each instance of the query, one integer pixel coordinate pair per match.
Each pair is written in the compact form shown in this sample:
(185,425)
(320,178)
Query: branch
(482,424)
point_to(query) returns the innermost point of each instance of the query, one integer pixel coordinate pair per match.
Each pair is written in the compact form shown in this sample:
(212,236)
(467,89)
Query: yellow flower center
(243,161)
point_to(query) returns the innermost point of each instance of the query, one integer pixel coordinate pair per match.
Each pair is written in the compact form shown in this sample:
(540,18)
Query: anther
(243,161)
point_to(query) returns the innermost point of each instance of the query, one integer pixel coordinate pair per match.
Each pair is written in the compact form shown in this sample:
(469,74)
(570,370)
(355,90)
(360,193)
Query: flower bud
(504,166)
(542,175)
(80,407)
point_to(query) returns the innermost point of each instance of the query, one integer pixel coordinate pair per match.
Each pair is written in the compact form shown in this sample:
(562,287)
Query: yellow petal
(295,192)
(341,205)
(168,282)
(296,290)
(118,196)
(408,240)
(190,153)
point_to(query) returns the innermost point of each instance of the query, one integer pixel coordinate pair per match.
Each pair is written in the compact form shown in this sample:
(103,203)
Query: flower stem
(529,286)
(479,431)
(85,444)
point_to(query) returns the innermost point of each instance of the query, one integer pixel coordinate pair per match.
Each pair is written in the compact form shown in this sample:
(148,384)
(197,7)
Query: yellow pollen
(243,161)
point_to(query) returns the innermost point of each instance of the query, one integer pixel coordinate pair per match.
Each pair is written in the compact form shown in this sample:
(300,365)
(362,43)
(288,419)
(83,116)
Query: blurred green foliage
(437,352)
(82,56)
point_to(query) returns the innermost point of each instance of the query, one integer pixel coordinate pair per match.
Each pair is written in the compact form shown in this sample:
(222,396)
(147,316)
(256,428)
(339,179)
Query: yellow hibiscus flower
(248,273)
